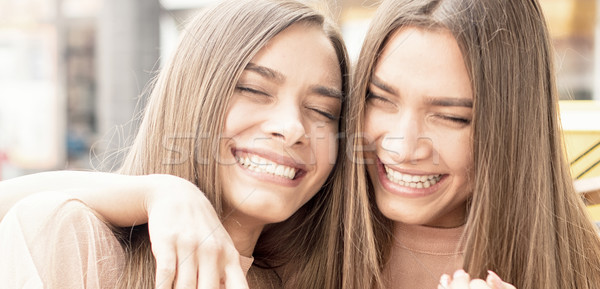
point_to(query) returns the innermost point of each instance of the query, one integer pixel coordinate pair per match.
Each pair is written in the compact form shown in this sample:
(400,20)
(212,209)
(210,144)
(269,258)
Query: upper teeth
(413,181)
(258,164)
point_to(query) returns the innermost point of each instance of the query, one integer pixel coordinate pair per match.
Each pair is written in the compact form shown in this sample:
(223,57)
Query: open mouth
(411,181)
(260,164)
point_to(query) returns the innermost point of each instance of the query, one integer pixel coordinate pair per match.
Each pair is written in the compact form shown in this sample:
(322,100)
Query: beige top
(420,255)
(53,241)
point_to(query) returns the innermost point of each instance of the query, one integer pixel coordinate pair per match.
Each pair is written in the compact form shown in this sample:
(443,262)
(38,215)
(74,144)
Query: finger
(444,282)
(495,282)
(234,276)
(460,280)
(478,284)
(209,269)
(187,269)
(166,266)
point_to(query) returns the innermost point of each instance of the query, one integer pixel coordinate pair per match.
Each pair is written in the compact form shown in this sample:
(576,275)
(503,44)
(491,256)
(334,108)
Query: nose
(284,123)
(407,142)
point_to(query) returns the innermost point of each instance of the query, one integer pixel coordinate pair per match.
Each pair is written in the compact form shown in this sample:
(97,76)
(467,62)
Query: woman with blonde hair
(247,112)
(466,163)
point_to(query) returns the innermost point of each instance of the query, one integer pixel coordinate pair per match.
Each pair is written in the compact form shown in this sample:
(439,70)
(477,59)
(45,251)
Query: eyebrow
(435,101)
(327,91)
(450,101)
(266,72)
(382,85)
(279,77)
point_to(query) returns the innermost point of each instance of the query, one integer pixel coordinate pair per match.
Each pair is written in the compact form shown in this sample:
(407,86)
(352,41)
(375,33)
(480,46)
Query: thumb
(495,282)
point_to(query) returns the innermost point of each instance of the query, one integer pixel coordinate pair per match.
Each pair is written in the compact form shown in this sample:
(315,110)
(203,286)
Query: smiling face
(281,127)
(419,111)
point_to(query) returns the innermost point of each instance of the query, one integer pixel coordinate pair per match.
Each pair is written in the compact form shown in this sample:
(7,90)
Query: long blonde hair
(526,222)
(185,117)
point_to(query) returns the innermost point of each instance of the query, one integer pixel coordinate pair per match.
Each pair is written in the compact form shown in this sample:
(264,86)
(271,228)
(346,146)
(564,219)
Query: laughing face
(419,112)
(281,127)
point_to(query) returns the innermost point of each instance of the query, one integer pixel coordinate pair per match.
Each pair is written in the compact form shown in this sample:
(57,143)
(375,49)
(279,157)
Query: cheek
(232,120)
(325,148)
(370,120)
(374,132)
(377,123)
(457,153)
(238,117)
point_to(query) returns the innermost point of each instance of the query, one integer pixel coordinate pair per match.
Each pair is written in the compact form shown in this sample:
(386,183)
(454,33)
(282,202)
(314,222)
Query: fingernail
(445,281)
(494,279)
(460,274)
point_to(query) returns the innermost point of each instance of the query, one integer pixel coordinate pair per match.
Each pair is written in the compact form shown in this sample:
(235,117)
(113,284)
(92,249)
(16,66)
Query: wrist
(157,186)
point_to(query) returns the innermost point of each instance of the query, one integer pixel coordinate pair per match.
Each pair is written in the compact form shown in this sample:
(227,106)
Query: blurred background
(72,73)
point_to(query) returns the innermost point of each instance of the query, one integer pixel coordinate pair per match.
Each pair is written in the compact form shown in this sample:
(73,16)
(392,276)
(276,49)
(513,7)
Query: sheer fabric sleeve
(50,240)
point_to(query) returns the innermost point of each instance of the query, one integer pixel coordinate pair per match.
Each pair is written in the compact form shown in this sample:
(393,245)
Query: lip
(276,158)
(408,192)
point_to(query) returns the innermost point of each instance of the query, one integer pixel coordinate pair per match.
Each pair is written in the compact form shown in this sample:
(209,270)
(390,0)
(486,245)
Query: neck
(453,219)
(424,238)
(243,234)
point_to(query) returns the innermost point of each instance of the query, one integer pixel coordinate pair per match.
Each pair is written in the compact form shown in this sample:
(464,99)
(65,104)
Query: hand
(191,247)
(462,280)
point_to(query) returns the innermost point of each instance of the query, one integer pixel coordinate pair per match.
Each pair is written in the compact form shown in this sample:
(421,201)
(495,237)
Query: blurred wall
(73,72)
(128,51)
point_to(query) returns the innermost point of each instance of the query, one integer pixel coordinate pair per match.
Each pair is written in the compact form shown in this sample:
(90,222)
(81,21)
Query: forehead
(428,60)
(304,53)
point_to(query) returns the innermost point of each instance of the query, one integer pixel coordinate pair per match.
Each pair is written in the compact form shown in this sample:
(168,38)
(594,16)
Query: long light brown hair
(525,220)
(185,116)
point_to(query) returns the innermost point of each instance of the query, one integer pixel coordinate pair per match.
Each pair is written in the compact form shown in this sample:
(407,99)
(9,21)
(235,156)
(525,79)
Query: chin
(266,213)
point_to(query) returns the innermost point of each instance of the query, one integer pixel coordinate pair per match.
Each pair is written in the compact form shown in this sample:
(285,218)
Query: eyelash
(373,96)
(458,120)
(250,90)
(327,115)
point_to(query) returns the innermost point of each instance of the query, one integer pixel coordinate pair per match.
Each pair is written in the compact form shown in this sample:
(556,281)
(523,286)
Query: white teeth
(271,169)
(261,165)
(292,173)
(279,170)
(412,181)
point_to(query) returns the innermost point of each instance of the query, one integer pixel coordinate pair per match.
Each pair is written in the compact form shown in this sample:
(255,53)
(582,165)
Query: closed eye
(458,120)
(327,115)
(374,97)
(254,95)
(250,90)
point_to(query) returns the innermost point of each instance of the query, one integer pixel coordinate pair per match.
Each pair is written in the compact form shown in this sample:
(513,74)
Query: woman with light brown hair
(247,111)
(465,157)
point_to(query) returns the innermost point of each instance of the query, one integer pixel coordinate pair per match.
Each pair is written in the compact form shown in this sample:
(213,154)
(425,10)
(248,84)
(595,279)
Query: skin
(461,280)
(181,220)
(278,108)
(287,113)
(419,112)
(289,119)
(419,120)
